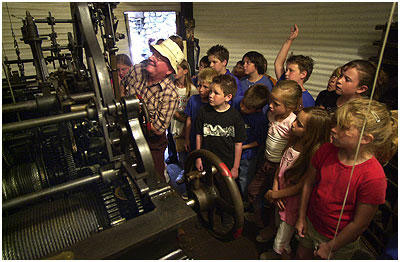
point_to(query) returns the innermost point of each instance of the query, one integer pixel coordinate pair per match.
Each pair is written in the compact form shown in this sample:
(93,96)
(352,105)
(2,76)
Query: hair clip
(377,119)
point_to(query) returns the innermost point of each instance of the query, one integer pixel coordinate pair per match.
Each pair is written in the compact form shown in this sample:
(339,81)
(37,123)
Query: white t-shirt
(176,126)
(277,138)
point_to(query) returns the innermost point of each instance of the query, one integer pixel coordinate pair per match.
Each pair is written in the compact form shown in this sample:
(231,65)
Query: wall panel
(331,33)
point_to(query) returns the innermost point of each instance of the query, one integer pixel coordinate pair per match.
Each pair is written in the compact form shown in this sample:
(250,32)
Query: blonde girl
(185,90)
(309,131)
(285,100)
(327,180)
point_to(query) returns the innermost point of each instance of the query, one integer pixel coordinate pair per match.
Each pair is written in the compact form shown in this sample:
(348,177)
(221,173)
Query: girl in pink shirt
(308,132)
(331,179)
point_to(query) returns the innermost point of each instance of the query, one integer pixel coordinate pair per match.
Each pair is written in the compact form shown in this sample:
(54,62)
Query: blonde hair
(291,93)
(379,123)
(187,78)
(317,132)
(207,75)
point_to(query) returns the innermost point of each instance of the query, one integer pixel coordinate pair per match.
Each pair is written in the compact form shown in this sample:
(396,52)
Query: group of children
(291,160)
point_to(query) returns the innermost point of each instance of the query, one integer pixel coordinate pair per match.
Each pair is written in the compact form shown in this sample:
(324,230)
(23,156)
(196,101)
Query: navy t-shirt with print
(220,132)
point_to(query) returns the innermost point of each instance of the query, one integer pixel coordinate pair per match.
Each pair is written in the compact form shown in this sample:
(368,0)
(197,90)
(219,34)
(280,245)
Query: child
(308,132)
(204,63)
(238,70)
(285,99)
(250,107)
(218,57)
(255,65)
(219,127)
(124,64)
(192,108)
(298,67)
(356,80)
(327,98)
(185,90)
(327,178)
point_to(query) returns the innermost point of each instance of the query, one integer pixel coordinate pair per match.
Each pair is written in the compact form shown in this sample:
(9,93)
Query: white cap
(170,50)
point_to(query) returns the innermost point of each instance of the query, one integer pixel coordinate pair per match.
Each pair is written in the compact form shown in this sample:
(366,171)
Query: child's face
(249,67)
(122,70)
(217,64)
(346,138)
(202,66)
(181,73)
(348,82)
(276,106)
(293,73)
(299,125)
(204,89)
(332,83)
(216,98)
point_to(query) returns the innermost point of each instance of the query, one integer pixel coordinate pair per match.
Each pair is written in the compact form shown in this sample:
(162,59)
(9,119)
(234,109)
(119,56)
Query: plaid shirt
(161,98)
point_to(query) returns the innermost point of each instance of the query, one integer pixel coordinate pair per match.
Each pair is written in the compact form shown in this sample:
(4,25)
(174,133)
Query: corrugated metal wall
(331,33)
(61,10)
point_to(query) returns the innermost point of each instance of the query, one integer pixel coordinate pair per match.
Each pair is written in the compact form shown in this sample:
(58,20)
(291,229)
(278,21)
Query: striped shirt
(278,135)
(161,98)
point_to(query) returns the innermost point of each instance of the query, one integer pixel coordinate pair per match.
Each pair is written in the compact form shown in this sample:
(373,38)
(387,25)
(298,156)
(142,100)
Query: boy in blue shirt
(298,67)
(218,57)
(205,78)
(250,107)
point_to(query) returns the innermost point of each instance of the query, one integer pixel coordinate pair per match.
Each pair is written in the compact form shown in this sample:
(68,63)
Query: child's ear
(225,62)
(303,74)
(228,97)
(366,139)
(362,89)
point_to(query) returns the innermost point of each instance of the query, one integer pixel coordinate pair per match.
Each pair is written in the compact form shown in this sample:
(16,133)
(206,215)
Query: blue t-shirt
(308,100)
(256,126)
(191,110)
(245,83)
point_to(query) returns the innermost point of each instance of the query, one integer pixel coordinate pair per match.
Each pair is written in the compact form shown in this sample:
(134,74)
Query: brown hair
(227,84)
(123,59)
(220,52)
(305,63)
(256,97)
(366,74)
(188,79)
(379,123)
(317,132)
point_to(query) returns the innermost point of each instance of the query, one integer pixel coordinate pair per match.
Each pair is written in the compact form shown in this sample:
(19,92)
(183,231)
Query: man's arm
(281,57)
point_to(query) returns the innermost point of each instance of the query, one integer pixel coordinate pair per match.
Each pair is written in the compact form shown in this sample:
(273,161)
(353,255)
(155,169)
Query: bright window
(145,28)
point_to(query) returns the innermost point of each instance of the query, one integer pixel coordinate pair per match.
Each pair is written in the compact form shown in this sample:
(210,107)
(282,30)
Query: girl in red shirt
(327,181)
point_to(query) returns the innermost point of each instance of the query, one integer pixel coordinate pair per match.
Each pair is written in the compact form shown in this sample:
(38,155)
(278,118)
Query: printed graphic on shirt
(210,130)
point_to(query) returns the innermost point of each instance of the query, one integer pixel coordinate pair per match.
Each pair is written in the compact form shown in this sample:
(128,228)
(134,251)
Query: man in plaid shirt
(153,82)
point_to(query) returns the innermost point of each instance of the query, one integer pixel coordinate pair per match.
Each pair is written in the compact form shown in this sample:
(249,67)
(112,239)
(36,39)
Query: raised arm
(281,57)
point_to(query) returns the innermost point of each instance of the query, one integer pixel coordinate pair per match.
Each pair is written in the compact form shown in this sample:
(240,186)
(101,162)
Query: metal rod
(55,21)
(43,121)
(19,201)
(21,106)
